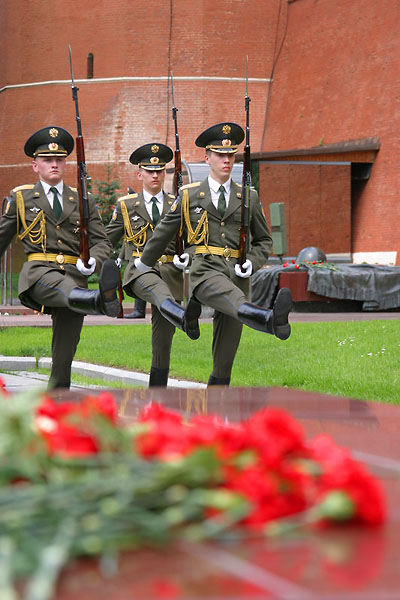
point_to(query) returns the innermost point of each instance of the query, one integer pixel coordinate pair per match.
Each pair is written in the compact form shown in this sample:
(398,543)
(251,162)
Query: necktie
(155,211)
(221,201)
(56,203)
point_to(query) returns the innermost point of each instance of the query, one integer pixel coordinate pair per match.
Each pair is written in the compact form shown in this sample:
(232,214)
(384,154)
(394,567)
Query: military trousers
(52,291)
(220,293)
(151,288)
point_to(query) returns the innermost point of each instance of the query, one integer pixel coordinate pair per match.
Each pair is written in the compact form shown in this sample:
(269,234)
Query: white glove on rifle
(141,266)
(182,261)
(86,270)
(244,270)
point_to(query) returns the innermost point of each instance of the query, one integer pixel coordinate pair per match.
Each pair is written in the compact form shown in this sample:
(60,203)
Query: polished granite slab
(342,563)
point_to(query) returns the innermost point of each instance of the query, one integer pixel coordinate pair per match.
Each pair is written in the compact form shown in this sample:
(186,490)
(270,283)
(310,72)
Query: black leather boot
(103,301)
(273,321)
(218,380)
(158,377)
(185,319)
(139,312)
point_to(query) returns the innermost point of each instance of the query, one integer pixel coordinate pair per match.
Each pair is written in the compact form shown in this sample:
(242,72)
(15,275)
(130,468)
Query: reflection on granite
(341,563)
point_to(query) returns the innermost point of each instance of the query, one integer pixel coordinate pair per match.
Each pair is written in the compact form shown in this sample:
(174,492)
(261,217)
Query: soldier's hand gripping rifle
(246,180)
(177,184)
(82,177)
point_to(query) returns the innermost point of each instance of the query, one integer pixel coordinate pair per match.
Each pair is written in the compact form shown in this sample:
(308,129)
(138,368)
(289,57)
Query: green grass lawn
(357,359)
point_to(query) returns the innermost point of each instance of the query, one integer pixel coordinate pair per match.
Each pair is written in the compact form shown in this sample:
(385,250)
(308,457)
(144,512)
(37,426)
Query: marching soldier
(209,213)
(45,216)
(135,217)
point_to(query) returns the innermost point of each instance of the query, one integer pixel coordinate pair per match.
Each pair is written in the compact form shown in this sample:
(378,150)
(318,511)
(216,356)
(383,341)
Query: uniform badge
(76,229)
(155,148)
(53,146)
(198,209)
(53,132)
(35,209)
(135,218)
(174,206)
(226,129)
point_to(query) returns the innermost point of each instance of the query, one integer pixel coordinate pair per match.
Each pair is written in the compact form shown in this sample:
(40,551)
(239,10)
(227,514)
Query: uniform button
(222,223)
(59,242)
(223,235)
(58,227)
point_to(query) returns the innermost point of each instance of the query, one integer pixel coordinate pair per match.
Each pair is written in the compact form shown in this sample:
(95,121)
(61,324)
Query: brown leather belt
(60,259)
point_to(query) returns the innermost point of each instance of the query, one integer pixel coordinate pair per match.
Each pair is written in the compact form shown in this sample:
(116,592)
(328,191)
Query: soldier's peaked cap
(152,157)
(49,141)
(224,137)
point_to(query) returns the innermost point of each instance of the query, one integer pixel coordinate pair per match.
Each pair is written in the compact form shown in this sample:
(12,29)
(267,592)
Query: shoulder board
(171,196)
(127,197)
(28,186)
(191,185)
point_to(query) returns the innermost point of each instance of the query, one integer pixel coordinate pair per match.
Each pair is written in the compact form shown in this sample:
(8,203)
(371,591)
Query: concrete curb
(23,363)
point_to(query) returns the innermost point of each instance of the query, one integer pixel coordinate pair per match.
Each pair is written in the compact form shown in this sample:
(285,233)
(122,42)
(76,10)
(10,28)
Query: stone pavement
(20,370)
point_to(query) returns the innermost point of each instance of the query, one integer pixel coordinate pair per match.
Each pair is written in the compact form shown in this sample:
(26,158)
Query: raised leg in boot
(103,301)
(185,319)
(273,321)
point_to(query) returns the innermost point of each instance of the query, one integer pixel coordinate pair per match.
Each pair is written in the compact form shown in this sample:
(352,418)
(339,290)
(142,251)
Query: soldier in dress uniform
(135,218)
(45,216)
(210,215)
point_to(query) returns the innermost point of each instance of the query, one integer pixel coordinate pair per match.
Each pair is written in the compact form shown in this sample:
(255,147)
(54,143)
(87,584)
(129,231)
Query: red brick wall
(130,39)
(337,79)
(336,66)
(316,199)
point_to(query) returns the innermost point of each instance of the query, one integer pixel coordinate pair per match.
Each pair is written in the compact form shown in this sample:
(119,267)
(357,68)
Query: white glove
(141,266)
(182,261)
(86,270)
(118,262)
(248,269)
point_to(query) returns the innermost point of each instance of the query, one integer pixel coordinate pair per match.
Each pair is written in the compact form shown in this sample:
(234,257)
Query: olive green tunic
(212,276)
(132,221)
(44,283)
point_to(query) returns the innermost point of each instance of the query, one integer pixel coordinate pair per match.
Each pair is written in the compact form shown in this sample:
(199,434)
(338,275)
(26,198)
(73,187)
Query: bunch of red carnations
(76,480)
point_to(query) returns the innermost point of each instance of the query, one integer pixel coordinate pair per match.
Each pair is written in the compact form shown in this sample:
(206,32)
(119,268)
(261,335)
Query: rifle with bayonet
(246,179)
(82,177)
(177,184)
(178,179)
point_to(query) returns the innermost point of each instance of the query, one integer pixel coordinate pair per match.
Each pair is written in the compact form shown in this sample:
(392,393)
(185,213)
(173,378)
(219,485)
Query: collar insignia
(135,218)
(35,209)
(198,209)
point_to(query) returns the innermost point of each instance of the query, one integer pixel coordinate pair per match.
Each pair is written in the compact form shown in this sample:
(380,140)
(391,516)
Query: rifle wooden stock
(244,225)
(83,201)
(178,179)
(82,176)
(246,183)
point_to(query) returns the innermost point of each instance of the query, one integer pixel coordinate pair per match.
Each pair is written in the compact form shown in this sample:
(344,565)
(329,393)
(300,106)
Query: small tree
(105,194)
